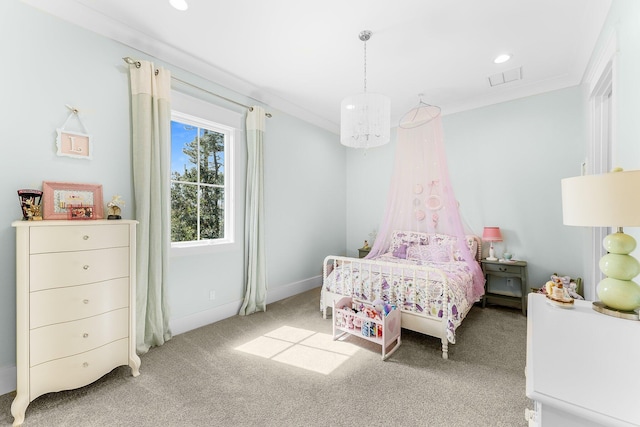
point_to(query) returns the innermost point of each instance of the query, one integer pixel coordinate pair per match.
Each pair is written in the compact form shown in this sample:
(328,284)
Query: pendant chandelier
(365,118)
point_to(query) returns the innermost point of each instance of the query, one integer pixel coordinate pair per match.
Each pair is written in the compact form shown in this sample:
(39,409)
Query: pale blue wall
(368,180)
(49,63)
(505,162)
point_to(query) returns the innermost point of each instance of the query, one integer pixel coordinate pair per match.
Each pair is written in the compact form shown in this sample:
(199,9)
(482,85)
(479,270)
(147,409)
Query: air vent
(506,77)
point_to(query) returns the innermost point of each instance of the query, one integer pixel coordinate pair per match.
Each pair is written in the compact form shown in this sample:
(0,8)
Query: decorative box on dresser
(582,366)
(75,305)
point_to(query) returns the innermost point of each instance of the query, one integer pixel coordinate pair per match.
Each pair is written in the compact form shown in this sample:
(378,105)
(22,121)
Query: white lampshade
(365,120)
(605,200)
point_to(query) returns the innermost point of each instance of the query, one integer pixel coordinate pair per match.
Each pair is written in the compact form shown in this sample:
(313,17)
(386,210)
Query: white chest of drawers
(75,305)
(581,366)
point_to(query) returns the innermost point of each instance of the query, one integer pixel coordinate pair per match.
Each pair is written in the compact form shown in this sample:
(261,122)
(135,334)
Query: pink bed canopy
(420,197)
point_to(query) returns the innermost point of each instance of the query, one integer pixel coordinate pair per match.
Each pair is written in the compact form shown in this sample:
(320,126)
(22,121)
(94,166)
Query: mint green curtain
(255,298)
(151,141)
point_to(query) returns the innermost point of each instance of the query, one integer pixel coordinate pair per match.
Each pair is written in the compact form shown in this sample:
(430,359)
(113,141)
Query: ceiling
(303,57)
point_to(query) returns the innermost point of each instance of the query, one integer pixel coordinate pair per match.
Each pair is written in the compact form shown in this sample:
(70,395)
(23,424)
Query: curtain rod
(131,61)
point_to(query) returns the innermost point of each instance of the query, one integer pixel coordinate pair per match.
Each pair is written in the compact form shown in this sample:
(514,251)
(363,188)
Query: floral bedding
(422,295)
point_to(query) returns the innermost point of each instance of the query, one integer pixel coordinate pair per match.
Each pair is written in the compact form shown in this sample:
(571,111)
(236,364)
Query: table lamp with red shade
(491,234)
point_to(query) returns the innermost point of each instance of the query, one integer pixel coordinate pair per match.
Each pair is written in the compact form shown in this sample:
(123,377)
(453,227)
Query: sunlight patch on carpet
(287,333)
(301,348)
(264,347)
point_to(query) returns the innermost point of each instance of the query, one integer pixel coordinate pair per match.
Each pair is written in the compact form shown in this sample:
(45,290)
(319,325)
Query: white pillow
(430,253)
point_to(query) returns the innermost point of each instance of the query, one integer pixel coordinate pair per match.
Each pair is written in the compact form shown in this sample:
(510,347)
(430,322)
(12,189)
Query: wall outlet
(509,282)
(212,295)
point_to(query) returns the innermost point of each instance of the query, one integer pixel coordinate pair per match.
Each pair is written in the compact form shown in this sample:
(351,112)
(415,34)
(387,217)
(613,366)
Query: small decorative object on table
(557,294)
(30,204)
(572,287)
(364,250)
(115,207)
(80,212)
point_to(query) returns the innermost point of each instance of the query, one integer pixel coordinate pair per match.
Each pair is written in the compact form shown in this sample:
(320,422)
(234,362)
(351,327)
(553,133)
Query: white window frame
(197,112)
(602,89)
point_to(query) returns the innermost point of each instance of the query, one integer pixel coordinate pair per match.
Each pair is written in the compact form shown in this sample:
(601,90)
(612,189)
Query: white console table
(583,367)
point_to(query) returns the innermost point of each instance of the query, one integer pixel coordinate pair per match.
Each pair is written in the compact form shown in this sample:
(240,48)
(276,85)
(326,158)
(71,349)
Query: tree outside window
(198,185)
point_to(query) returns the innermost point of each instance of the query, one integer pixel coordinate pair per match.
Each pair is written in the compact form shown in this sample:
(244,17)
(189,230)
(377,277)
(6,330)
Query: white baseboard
(292,289)
(203,318)
(7,379)
(194,321)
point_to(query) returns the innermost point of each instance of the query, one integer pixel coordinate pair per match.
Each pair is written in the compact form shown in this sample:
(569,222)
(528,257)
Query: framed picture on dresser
(58,197)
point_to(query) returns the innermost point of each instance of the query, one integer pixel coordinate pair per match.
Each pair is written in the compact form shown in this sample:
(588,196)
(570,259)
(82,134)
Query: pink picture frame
(58,195)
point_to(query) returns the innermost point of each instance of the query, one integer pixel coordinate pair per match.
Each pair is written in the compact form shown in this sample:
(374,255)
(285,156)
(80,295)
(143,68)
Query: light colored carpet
(281,368)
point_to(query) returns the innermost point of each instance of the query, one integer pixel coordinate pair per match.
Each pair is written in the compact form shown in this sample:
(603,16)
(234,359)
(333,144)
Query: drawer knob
(86,301)
(85,267)
(85,335)
(85,365)
(85,237)
(501,269)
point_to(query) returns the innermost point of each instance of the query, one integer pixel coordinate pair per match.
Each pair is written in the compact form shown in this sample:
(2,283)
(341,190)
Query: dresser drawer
(77,238)
(79,370)
(77,302)
(55,270)
(69,338)
(502,268)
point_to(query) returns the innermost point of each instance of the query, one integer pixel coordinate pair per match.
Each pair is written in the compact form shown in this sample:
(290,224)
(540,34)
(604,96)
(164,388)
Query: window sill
(188,249)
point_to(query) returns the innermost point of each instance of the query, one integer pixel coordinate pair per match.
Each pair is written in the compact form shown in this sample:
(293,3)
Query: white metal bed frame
(424,323)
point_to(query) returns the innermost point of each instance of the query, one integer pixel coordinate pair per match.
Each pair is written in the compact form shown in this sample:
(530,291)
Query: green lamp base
(617,291)
(619,294)
(601,308)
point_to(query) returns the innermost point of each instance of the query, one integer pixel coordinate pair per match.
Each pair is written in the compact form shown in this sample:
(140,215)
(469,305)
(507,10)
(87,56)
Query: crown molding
(85,17)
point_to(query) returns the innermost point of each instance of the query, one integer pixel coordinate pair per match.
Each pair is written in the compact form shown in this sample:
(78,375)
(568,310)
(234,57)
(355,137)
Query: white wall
(50,63)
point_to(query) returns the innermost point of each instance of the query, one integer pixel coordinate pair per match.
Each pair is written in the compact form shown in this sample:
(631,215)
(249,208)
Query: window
(201,193)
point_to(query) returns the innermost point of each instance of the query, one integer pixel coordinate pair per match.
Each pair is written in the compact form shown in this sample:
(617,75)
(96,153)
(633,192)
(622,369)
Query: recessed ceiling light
(179,4)
(502,58)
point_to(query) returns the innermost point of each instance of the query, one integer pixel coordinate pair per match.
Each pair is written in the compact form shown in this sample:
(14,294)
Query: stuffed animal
(370,312)
(569,286)
(350,321)
(357,322)
(378,306)
(381,307)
